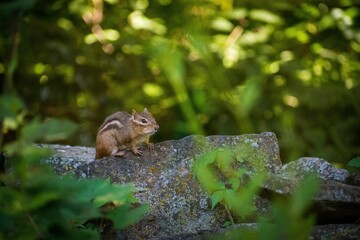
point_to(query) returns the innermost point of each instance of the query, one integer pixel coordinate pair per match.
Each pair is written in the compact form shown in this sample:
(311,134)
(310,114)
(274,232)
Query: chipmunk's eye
(144,120)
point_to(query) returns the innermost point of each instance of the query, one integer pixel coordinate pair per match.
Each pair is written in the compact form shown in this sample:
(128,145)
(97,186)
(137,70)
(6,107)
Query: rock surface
(323,232)
(321,167)
(179,207)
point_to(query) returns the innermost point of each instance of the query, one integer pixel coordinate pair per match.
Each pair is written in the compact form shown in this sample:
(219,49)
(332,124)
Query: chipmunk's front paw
(136,151)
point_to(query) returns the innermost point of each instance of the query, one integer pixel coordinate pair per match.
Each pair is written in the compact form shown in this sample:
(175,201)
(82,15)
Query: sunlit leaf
(111,34)
(222,24)
(139,21)
(223,159)
(265,16)
(90,39)
(112,1)
(153,90)
(217,197)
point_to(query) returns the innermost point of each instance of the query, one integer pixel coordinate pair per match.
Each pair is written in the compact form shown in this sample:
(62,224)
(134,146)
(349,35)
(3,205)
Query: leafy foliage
(227,184)
(36,203)
(213,67)
(289,218)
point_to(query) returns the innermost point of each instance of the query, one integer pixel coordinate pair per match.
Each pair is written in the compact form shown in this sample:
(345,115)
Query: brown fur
(122,131)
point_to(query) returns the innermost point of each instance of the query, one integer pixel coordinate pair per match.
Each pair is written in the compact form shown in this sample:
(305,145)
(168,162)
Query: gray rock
(67,158)
(177,203)
(319,166)
(324,232)
(178,206)
(354,179)
(336,231)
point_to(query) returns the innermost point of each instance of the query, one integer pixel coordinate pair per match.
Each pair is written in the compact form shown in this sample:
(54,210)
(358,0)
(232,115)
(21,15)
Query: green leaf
(217,197)
(267,230)
(223,160)
(207,177)
(265,16)
(124,216)
(31,132)
(239,159)
(303,194)
(206,159)
(115,193)
(235,183)
(240,172)
(48,131)
(231,199)
(57,129)
(241,202)
(355,162)
(222,24)
(41,199)
(10,106)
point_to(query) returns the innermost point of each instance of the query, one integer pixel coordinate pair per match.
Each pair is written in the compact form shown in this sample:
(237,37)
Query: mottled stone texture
(177,204)
(321,167)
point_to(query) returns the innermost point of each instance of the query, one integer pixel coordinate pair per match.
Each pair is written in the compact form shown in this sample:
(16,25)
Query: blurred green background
(201,67)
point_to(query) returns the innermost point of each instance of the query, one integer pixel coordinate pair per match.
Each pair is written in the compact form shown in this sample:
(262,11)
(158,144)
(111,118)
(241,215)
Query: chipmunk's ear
(145,110)
(134,113)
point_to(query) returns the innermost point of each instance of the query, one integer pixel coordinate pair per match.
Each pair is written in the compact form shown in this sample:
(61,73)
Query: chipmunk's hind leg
(119,153)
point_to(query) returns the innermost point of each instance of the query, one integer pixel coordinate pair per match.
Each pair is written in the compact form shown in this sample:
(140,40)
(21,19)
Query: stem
(35,227)
(228,212)
(12,60)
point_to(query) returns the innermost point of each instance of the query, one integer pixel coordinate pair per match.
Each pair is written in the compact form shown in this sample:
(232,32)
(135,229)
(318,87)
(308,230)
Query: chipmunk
(122,131)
